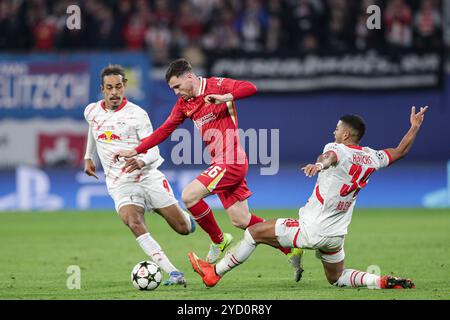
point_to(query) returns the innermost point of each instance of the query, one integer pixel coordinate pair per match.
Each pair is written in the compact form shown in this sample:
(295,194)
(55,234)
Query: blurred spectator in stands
(162,14)
(221,32)
(204,8)
(278,35)
(397,22)
(274,38)
(252,26)
(338,36)
(135,30)
(100,17)
(44,29)
(307,25)
(158,39)
(427,26)
(167,27)
(14,28)
(188,23)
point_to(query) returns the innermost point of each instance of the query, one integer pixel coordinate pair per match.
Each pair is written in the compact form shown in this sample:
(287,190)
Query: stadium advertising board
(31,188)
(368,70)
(61,85)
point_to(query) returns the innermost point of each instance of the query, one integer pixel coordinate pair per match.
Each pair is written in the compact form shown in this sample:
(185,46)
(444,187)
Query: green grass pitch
(37,248)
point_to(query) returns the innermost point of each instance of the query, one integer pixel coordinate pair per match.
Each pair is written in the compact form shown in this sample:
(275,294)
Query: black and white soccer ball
(146,275)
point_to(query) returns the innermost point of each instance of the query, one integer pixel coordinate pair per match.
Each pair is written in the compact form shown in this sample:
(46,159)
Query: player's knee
(135,225)
(239,221)
(182,228)
(189,198)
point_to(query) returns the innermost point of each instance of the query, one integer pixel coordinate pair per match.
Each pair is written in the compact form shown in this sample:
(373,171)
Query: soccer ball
(146,275)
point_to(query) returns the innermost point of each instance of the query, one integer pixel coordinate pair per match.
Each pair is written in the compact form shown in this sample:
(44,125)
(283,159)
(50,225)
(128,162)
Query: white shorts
(292,233)
(153,192)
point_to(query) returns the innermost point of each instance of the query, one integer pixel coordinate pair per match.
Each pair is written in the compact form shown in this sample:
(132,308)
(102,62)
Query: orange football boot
(204,269)
(390,282)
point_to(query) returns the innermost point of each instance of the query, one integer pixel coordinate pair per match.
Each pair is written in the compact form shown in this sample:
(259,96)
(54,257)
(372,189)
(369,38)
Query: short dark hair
(114,69)
(356,123)
(177,68)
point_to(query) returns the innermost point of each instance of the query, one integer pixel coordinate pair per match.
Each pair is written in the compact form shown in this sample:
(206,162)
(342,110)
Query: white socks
(355,278)
(154,251)
(235,256)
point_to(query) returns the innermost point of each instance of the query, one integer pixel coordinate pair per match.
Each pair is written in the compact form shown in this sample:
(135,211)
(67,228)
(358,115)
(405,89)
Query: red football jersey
(217,123)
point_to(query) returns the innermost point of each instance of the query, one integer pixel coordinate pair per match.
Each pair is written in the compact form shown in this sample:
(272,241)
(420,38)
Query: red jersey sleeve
(239,89)
(175,118)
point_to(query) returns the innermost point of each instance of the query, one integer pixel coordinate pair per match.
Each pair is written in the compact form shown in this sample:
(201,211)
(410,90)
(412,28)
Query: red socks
(254,220)
(203,214)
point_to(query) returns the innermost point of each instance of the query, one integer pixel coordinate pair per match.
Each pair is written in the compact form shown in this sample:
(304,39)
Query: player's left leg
(337,275)
(212,180)
(263,232)
(241,217)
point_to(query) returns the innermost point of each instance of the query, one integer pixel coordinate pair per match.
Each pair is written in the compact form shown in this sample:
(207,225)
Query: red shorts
(227,181)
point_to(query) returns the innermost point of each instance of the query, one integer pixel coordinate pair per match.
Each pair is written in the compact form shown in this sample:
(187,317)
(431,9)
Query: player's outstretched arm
(158,136)
(408,140)
(324,161)
(240,90)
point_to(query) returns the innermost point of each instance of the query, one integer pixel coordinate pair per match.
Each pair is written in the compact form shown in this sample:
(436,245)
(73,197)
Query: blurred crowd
(170,28)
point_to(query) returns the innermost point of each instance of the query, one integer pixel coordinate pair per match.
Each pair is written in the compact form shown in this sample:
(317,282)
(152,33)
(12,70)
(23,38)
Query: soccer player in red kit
(209,103)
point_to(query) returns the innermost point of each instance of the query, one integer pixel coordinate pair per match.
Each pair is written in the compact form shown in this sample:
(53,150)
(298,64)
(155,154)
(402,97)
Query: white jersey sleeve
(334,147)
(382,156)
(90,141)
(90,145)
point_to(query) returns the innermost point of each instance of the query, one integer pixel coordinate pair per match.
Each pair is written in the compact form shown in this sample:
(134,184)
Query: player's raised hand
(417,118)
(125,154)
(132,164)
(311,170)
(89,168)
(218,98)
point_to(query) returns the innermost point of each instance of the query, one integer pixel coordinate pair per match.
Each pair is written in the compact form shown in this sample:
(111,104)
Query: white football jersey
(329,209)
(121,129)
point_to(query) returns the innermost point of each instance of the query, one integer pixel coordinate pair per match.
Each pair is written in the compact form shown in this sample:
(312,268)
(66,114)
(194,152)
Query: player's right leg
(192,197)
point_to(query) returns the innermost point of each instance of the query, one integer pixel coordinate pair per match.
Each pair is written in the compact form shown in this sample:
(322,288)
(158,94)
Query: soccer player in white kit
(344,168)
(114,124)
